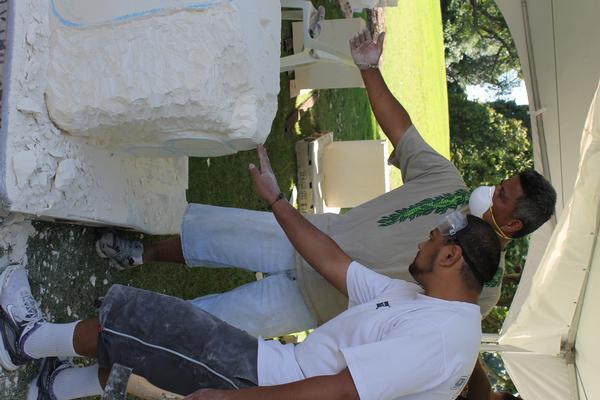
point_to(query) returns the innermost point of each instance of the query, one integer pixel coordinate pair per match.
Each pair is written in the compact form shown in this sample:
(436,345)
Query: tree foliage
(486,146)
(478,45)
(496,370)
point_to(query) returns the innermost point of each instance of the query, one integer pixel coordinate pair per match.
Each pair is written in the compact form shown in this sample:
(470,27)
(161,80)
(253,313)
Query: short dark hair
(481,251)
(536,206)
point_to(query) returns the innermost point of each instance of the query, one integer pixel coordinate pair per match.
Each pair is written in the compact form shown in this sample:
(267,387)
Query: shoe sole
(5,359)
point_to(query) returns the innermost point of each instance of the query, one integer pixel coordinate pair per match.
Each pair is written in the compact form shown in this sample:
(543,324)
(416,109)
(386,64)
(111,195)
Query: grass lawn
(414,70)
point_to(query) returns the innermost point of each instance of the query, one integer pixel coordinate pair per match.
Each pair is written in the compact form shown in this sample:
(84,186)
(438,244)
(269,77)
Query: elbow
(347,388)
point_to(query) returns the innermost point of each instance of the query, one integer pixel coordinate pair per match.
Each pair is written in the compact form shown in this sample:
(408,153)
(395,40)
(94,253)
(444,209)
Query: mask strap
(497,228)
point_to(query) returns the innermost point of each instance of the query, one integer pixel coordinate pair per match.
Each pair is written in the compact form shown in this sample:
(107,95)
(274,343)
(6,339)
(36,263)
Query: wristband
(367,66)
(280,196)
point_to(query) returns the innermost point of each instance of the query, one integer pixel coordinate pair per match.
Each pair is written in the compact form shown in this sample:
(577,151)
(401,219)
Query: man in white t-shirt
(396,340)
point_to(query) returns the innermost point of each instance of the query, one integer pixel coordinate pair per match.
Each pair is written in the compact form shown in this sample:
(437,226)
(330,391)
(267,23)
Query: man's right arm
(325,387)
(479,384)
(318,249)
(390,114)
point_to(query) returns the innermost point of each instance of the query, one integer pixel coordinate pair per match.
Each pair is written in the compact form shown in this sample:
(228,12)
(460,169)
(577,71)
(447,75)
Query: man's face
(504,200)
(424,261)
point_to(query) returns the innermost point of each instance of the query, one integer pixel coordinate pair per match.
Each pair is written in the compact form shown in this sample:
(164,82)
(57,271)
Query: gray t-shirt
(383,233)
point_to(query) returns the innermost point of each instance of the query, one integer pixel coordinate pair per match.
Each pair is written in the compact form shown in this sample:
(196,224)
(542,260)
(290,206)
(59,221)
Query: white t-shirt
(396,342)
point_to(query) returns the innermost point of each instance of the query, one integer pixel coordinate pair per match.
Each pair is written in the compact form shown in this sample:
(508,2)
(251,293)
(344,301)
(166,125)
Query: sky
(480,93)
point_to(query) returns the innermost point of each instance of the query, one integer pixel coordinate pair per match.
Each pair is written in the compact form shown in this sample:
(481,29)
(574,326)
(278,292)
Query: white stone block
(172,78)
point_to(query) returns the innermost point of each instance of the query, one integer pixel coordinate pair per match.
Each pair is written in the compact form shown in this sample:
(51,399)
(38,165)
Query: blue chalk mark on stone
(194,6)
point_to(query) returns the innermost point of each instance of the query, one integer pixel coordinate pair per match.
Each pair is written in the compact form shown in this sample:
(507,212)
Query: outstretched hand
(366,51)
(264,180)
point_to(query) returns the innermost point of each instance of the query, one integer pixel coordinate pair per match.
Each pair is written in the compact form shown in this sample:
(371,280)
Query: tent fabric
(560,70)
(538,376)
(561,282)
(555,41)
(587,357)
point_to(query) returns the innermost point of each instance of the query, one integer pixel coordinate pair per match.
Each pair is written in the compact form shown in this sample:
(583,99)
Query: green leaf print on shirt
(437,205)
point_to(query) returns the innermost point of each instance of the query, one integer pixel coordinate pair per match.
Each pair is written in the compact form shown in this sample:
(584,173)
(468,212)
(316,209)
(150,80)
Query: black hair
(536,206)
(481,251)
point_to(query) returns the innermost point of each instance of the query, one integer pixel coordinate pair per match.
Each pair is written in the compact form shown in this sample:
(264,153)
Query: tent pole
(535,109)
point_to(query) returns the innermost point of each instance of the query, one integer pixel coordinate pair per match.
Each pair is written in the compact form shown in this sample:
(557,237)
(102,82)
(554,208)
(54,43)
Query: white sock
(51,340)
(73,383)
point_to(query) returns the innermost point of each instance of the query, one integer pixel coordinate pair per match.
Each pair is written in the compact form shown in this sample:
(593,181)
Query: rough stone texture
(209,74)
(45,172)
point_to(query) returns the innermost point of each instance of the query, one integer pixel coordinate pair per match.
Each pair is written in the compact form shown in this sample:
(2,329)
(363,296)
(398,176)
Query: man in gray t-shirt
(381,234)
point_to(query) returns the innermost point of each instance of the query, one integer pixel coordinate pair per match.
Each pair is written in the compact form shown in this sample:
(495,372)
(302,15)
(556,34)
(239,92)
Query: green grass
(414,69)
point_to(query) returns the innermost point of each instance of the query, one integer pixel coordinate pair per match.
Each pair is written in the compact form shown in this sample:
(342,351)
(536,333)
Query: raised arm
(391,116)
(329,387)
(318,249)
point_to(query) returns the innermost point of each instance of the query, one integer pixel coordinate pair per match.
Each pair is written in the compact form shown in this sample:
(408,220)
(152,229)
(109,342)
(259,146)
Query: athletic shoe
(41,388)
(20,316)
(123,253)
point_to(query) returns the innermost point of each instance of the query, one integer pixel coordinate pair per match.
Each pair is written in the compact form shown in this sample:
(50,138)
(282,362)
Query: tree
(478,45)
(486,146)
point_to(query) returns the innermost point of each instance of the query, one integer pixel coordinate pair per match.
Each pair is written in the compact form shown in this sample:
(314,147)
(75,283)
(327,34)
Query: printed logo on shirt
(431,205)
(460,383)
(384,304)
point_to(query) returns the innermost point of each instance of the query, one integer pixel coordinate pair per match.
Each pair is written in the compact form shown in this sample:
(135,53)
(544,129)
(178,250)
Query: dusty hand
(210,394)
(264,180)
(365,50)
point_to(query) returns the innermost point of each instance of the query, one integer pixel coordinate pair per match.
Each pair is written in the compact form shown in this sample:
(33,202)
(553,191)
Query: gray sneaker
(20,316)
(41,388)
(123,253)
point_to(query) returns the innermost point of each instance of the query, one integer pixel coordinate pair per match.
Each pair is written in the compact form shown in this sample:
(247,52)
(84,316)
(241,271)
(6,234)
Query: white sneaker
(20,316)
(123,252)
(41,388)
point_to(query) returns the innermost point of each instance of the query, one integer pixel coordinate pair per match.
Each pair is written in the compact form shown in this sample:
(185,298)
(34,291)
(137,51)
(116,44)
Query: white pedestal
(335,175)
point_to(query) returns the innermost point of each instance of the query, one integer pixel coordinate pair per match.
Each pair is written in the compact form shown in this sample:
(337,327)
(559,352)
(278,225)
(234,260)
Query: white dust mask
(481,200)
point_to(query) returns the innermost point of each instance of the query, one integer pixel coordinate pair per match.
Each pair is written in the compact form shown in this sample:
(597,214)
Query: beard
(412,269)
(417,270)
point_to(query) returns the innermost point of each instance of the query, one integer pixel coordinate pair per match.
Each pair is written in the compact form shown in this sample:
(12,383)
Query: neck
(504,242)
(452,292)
(504,238)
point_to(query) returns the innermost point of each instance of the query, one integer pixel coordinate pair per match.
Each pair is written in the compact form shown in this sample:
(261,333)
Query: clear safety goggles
(450,224)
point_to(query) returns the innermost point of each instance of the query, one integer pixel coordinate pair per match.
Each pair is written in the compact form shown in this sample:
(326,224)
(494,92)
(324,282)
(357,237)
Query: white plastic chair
(314,49)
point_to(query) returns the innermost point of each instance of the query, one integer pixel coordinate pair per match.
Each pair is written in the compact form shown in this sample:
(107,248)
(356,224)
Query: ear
(449,255)
(514,225)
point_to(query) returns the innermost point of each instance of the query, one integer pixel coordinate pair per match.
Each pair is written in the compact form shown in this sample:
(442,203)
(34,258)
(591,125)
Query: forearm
(390,114)
(332,387)
(318,249)
(479,384)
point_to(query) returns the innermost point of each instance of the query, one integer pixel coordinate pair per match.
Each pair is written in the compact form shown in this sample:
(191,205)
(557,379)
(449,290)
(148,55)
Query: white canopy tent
(552,322)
